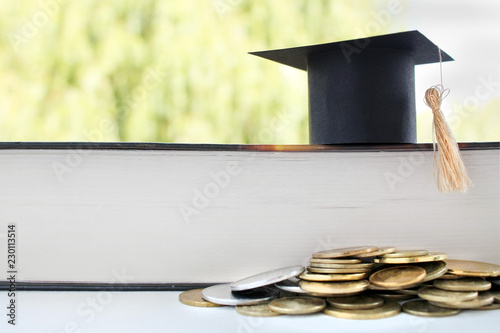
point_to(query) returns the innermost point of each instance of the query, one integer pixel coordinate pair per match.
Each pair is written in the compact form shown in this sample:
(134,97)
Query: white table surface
(58,312)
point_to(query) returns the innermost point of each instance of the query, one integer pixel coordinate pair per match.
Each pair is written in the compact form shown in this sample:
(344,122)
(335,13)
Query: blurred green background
(174,71)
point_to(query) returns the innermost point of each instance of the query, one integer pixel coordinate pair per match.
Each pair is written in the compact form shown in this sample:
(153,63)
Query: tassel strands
(449,170)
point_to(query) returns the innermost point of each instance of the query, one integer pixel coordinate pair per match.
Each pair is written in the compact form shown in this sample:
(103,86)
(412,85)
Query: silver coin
(291,285)
(222,294)
(267,278)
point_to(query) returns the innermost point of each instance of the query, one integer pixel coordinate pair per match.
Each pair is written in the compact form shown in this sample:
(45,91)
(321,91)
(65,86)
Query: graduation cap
(362,90)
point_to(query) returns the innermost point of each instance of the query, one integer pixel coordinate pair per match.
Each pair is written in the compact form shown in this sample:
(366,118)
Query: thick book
(107,213)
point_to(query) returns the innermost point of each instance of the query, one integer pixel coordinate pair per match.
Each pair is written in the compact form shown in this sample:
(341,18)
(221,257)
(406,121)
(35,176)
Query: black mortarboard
(362,90)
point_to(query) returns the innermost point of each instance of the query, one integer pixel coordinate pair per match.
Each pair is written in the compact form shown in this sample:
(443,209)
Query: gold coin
(406,254)
(364,265)
(257,310)
(425,309)
(399,276)
(344,252)
(335,261)
(394,296)
(433,269)
(193,297)
(408,291)
(472,268)
(334,287)
(297,305)
(492,306)
(496,295)
(332,277)
(439,295)
(358,302)
(387,310)
(338,270)
(467,284)
(375,287)
(481,300)
(432,256)
(321,295)
(381,251)
(449,276)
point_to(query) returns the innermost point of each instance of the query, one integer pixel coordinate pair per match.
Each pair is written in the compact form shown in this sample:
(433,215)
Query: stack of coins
(402,273)
(364,282)
(465,287)
(362,307)
(336,273)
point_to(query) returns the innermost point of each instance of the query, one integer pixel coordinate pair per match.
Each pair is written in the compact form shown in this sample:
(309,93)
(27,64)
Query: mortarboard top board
(362,90)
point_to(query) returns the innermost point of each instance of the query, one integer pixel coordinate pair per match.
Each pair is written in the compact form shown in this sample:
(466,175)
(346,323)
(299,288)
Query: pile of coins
(365,282)
(464,288)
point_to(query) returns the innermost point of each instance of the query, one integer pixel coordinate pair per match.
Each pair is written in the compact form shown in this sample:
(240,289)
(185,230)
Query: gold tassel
(449,169)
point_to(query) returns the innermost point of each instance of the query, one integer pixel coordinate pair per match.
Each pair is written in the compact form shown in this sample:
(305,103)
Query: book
(141,213)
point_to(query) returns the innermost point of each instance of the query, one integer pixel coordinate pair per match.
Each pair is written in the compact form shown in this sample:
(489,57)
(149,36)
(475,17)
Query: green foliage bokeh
(166,71)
